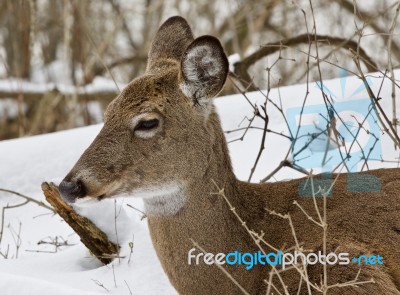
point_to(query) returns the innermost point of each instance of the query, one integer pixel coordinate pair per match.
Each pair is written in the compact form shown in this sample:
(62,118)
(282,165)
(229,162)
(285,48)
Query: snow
(99,84)
(8,108)
(27,162)
(232,59)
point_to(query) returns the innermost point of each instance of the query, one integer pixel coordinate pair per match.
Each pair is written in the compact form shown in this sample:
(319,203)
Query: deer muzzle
(71,191)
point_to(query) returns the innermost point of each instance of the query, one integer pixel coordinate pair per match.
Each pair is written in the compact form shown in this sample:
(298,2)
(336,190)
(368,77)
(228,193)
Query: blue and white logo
(343,131)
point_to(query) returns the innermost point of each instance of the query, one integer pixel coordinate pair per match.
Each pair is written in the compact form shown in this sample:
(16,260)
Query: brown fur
(191,148)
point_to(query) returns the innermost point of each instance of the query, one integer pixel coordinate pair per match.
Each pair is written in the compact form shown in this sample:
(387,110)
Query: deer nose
(70,191)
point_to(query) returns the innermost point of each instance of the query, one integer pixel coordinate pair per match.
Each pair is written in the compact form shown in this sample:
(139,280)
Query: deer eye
(147,124)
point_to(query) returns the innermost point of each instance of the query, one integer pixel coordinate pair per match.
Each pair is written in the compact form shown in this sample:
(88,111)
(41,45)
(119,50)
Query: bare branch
(241,68)
(93,237)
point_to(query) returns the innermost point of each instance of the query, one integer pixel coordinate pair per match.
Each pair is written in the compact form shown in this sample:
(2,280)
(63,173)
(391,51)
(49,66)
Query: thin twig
(39,203)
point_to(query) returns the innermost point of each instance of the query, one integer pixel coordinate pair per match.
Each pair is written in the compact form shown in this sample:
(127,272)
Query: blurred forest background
(63,61)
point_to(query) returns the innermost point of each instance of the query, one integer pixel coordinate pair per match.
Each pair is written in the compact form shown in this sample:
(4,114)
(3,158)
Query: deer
(162,141)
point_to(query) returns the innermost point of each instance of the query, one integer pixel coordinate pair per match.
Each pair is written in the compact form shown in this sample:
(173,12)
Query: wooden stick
(91,236)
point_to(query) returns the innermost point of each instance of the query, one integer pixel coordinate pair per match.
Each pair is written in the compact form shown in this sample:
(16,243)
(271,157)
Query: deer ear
(204,68)
(171,40)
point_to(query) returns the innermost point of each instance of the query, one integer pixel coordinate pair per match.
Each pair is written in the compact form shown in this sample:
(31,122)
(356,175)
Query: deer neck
(199,212)
(172,198)
(206,219)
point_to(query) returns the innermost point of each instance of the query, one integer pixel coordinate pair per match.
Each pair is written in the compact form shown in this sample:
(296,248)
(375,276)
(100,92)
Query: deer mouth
(88,201)
(112,190)
(101,197)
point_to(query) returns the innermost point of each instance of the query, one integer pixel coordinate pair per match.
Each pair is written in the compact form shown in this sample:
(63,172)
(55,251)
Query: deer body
(353,228)
(162,141)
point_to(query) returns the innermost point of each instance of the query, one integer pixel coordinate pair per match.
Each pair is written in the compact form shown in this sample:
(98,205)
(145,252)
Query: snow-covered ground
(25,163)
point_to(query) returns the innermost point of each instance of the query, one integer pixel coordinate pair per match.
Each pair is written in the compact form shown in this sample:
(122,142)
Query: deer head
(159,133)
